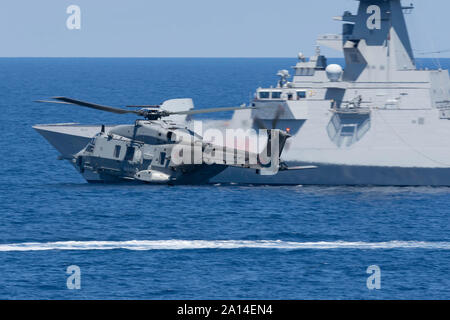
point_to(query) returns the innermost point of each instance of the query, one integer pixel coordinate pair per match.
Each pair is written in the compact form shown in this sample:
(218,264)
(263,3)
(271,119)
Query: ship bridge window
(264,95)
(303,71)
(276,95)
(301,95)
(348,130)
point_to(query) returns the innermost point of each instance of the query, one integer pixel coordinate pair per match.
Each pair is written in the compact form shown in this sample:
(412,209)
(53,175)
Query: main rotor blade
(65,100)
(259,123)
(210,110)
(277,117)
(50,101)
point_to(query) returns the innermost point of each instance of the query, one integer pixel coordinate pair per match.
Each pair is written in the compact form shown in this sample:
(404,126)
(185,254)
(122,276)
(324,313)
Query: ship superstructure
(377,120)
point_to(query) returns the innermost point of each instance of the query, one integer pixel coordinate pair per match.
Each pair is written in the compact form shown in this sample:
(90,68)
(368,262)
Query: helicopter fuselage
(167,152)
(163,152)
(142,153)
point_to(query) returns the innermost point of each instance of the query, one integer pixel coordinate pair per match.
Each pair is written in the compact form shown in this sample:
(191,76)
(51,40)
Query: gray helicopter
(157,150)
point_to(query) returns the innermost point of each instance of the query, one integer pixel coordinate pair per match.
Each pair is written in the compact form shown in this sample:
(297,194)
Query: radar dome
(334,72)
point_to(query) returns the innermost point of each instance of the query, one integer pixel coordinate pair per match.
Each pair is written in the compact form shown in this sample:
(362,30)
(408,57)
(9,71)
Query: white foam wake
(218,244)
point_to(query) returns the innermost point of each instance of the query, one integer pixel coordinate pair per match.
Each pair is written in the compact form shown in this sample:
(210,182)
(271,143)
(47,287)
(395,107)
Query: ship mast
(376,38)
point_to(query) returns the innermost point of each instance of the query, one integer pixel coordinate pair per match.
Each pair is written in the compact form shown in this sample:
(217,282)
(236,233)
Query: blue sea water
(205,242)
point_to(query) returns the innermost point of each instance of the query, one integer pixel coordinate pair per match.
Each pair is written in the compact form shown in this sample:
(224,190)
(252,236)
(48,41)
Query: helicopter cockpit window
(90,148)
(130,154)
(117,151)
(162,158)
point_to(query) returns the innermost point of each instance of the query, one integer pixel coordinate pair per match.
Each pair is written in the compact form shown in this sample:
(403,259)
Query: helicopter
(159,150)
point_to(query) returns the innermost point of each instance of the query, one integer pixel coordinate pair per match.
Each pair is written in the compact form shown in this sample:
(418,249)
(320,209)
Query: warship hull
(69,139)
(335,175)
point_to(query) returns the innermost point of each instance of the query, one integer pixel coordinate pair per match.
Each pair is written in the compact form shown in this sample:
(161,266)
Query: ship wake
(147,245)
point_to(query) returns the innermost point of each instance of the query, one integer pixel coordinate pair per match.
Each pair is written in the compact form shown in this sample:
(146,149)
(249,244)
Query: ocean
(194,242)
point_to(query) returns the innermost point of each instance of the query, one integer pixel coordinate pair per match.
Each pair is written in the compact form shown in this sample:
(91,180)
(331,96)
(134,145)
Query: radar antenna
(284,75)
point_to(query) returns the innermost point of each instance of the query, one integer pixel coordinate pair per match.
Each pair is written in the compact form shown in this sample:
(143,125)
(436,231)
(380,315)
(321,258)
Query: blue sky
(193,28)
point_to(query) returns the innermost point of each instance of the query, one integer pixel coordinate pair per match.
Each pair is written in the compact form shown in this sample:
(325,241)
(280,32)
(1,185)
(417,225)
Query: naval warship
(378,120)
